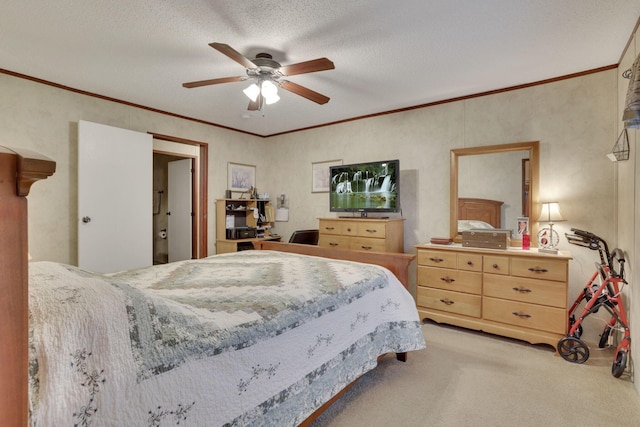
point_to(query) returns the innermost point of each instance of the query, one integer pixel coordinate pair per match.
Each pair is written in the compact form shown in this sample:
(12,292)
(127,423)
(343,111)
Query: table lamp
(548,238)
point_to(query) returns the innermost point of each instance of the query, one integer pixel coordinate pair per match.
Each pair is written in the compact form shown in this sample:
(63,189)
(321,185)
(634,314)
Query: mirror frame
(534,170)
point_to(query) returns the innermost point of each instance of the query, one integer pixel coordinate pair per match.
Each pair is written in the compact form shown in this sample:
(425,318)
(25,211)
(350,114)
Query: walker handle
(584,234)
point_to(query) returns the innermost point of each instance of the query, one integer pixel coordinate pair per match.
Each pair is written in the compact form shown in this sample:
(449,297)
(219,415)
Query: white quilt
(254,338)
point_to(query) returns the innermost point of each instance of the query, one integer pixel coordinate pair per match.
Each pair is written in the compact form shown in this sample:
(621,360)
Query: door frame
(199,190)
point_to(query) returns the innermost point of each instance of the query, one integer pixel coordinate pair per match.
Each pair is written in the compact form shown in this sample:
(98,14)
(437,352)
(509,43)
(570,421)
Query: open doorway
(173,208)
(179,203)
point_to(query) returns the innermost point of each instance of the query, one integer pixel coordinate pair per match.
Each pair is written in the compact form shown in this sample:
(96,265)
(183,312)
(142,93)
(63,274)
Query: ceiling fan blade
(227,50)
(191,85)
(255,105)
(312,66)
(304,92)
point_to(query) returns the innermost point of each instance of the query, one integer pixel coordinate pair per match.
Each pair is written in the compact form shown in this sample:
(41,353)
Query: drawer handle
(521,315)
(447,301)
(469,262)
(495,266)
(522,290)
(348,229)
(433,259)
(333,244)
(371,231)
(538,270)
(367,248)
(448,279)
(329,228)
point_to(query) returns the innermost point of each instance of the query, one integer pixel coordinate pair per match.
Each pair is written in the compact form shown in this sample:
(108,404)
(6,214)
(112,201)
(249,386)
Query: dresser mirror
(505,176)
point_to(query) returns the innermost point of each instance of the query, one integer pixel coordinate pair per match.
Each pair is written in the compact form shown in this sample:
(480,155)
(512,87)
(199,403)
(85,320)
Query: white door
(115,173)
(180,210)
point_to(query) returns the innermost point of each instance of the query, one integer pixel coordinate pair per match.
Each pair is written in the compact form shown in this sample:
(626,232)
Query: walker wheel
(573,350)
(619,364)
(604,337)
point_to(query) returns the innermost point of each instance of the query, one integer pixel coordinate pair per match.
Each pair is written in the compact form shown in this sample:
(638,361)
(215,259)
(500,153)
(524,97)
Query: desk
(226,246)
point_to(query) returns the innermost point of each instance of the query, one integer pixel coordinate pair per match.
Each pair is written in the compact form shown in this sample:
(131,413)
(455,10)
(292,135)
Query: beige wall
(575,120)
(45,119)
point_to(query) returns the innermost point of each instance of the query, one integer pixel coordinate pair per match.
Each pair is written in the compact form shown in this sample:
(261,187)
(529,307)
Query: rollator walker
(603,290)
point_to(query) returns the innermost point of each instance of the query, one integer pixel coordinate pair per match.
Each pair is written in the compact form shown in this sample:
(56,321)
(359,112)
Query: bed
(265,337)
(479,214)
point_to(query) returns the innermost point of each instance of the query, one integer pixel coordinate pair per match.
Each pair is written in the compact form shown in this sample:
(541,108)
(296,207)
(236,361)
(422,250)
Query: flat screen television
(365,187)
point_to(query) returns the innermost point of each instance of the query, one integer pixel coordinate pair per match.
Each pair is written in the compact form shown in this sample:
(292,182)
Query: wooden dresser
(514,293)
(363,234)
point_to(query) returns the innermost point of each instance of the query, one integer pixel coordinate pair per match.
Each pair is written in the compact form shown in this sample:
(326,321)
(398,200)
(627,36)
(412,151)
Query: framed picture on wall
(320,179)
(240,177)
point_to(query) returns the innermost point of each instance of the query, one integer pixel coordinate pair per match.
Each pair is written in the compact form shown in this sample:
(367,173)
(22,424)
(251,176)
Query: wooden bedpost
(19,169)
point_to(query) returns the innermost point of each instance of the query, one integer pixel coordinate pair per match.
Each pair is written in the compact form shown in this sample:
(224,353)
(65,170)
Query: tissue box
(489,239)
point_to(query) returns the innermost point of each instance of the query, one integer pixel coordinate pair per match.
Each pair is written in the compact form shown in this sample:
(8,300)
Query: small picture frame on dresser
(522,226)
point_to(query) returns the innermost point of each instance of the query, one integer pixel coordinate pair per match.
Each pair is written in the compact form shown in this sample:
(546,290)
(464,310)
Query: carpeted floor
(467,378)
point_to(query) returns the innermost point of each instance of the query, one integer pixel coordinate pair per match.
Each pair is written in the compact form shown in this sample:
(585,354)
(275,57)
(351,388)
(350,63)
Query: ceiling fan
(269,75)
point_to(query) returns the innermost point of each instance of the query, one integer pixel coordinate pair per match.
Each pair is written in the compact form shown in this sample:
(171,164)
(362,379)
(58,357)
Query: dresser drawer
(543,292)
(375,229)
(331,241)
(453,280)
(367,244)
(539,268)
(496,264)
(469,262)
(452,302)
(550,319)
(437,259)
(331,227)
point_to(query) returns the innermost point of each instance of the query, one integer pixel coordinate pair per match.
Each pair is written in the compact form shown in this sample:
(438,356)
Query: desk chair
(305,237)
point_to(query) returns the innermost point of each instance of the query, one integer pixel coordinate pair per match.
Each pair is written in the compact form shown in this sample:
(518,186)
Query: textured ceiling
(387,55)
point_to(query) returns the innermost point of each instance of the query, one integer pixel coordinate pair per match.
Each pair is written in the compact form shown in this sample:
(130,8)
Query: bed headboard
(19,169)
(485,210)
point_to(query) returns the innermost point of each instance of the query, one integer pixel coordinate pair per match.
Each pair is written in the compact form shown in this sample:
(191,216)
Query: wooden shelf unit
(514,293)
(363,234)
(242,211)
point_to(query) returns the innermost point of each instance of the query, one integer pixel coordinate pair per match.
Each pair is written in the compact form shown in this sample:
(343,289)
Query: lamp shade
(550,212)
(268,88)
(270,92)
(271,99)
(252,92)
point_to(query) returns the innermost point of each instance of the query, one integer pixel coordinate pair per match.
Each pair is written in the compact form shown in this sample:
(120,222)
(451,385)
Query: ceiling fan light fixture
(269,89)
(269,92)
(271,99)
(252,92)
(267,74)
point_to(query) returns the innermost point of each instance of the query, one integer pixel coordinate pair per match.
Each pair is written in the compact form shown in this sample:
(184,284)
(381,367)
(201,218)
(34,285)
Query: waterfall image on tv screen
(365,187)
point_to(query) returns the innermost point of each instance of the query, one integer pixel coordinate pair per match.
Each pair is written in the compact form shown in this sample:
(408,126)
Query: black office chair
(305,237)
